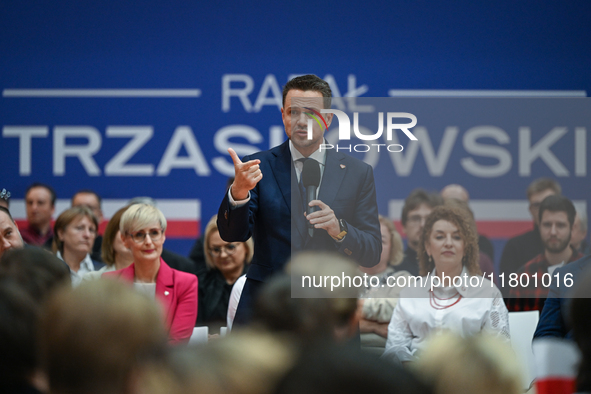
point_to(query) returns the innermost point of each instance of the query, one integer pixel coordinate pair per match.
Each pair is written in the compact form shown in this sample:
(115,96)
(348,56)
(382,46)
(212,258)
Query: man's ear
(328,118)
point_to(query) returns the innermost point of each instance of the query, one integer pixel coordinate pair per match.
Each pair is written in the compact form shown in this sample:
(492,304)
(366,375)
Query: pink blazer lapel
(165,289)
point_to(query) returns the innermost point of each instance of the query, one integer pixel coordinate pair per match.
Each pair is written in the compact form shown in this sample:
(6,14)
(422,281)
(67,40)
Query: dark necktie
(301,182)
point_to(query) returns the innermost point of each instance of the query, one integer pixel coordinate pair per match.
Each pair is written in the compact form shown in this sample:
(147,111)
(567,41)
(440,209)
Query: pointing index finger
(234,156)
(238,162)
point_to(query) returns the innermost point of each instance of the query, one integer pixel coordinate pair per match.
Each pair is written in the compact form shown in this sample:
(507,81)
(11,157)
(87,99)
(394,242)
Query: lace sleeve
(399,336)
(379,309)
(498,318)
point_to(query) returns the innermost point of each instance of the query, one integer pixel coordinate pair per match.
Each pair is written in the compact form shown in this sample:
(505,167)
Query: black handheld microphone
(310,180)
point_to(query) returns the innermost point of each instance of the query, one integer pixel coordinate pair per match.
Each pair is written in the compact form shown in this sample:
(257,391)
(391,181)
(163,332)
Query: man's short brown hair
(93,338)
(541,184)
(416,198)
(309,82)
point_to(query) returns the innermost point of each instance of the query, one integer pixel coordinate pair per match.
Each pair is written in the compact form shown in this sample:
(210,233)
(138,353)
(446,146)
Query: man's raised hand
(246,176)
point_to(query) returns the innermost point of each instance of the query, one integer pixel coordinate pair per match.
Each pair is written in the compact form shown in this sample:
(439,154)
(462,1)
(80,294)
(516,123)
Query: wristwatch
(344,229)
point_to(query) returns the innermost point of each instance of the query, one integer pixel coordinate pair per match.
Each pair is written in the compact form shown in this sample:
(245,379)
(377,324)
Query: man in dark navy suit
(553,321)
(265,191)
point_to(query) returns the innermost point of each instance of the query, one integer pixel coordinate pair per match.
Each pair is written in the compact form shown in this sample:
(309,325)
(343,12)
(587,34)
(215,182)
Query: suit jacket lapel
(332,177)
(282,168)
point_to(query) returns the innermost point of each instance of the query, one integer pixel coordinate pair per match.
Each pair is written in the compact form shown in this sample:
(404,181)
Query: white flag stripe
(485,93)
(103,93)
(555,357)
(172,209)
(490,210)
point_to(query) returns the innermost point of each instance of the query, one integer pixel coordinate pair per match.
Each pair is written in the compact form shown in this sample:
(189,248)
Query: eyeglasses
(140,236)
(230,249)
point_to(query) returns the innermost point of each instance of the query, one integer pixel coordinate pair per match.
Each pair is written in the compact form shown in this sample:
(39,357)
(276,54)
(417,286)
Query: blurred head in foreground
(246,362)
(18,344)
(36,270)
(343,370)
(478,364)
(310,312)
(95,338)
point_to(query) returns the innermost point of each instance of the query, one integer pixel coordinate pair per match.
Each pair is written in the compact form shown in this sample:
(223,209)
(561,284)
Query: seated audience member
(10,237)
(197,253)
(115,254)
(5,198)
(522,248)
(143,230)
(27,278)
(40,206)
(580,318)
(417,206)
(308,321)
(484,262)
(553,321)
(35,270)
(75,229)
(460,193)
(19,369)
(557,215)
(579,234)
(226,262)
(246,362)
(479,364)
(379,300)
(342,370)
(96,338)
(93,201)
(174,260)
(448,248)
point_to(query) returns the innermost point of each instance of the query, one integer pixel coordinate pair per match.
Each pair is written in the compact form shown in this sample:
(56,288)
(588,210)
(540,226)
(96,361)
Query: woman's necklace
(434,300)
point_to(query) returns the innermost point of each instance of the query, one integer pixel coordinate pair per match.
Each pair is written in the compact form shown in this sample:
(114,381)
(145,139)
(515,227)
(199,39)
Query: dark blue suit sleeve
(236,224)
(363,242)
(551,322)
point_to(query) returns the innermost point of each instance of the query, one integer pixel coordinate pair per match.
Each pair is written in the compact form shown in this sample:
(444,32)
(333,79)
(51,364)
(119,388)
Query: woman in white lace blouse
(448,248)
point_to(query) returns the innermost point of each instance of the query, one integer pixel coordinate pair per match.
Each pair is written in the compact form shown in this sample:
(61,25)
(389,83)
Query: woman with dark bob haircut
(451,295)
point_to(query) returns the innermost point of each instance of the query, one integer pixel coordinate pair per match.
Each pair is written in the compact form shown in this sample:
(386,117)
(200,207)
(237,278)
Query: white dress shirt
(234,300)
(86,266)
(414,320)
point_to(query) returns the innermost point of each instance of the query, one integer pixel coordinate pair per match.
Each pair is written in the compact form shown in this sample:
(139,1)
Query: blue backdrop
(224,63)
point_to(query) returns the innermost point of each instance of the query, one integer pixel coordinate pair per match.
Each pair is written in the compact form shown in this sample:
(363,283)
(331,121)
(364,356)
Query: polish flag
(556,363)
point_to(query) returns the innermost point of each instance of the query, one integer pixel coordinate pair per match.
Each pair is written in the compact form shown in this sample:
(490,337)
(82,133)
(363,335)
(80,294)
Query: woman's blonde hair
(467,229)
(211,227)
(139,216)
(64,219)
(396,245)
(478,364)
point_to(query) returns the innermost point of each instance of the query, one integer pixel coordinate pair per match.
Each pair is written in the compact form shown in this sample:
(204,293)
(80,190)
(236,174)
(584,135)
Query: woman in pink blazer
(142,230)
